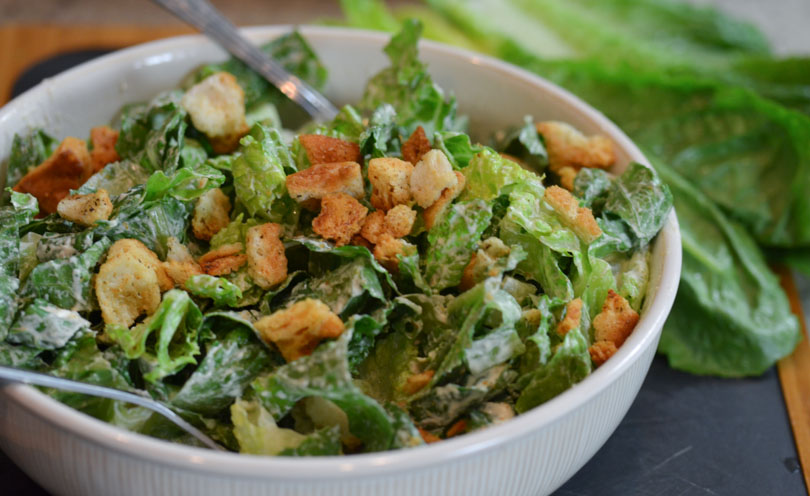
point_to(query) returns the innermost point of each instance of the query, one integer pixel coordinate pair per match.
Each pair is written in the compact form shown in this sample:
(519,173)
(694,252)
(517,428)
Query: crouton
(216,106)
(211,214)
(359,240)
(416,146)
(374,227)
(616,320)
(103,152)
(482,263)
(434,213)
(179,264)
(86,210)
(127,285)
(600,351)
(341,218)
(325,149)
(390,179)
(386,251)
(136,249)
(567,176)
(460,427)
(578,219)
(430,177)
(322,179)
(267,263)
(297,330)
(416,382)
(428,436)
(567,147)
(399,220)
(498,412)
(571,320)
(68,168)
(223,260)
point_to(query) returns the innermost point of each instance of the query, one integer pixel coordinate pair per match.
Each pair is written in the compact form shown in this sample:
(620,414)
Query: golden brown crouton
(416,146)
(459,427)
(138,250)
(216,106)
(374,227)
(616,320)
(399,220)
(297,330)
(211,214)
(325,149)
(267,263)
(428,436)
(359,240)
(434,213)
(578,219)
(341,218)
(571,320)
(223,260)
(322,179)
(179,264)
(127,284)
(430,177)
(386,252)
(390,179)
(567,176)
(482,263)
(567,147)
(418,381)
(68,168)
(86,210)
(600,351)
(103,152)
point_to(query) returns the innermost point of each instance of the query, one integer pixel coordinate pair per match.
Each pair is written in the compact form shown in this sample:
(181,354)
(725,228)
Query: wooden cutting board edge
(22,45)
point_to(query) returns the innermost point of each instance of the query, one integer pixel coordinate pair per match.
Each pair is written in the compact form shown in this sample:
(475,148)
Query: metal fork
(37,379)
(203,16)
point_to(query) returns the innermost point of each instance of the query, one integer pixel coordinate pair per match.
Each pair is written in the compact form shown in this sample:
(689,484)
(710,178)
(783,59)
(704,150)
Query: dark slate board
(683,436)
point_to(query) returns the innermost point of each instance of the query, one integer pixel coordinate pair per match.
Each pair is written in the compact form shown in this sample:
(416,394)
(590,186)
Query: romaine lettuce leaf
(730,317)
(176,324)
(26,153)
(453,241)
(222,291)
(641,200)
(22,210)
(153,134)
(116,178)
(325,373)
(232,360)
(184,184)
(43,326)
(488,174)
(526,144)
(257,432)
(259,171)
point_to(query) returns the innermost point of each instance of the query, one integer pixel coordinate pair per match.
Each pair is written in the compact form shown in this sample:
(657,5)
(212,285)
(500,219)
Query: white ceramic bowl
(70,453)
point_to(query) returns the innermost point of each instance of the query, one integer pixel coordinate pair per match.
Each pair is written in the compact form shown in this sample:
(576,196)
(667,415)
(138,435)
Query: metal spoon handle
(203,16)
(45,380)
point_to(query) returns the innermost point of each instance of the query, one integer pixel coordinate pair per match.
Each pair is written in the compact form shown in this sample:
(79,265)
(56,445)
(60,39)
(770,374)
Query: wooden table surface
(22,45)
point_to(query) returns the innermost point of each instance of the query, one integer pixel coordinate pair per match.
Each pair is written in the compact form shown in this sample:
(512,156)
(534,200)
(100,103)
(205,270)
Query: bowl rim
(192,458)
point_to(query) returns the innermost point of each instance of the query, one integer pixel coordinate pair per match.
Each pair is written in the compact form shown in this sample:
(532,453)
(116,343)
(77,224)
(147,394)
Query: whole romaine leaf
(730,317)
(176,323)
(259,171)
(453,241)
(325,373)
